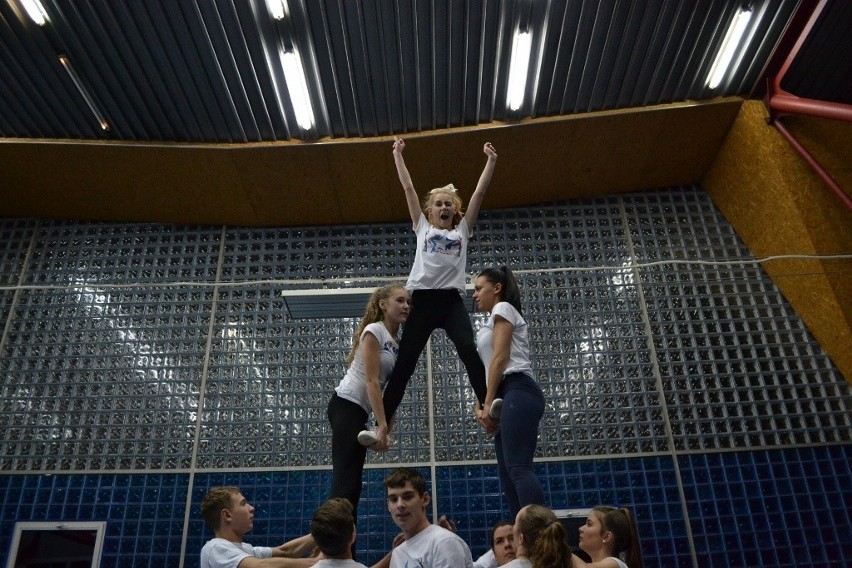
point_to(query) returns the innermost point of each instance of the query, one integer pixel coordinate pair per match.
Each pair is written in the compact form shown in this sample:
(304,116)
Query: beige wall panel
(779,206)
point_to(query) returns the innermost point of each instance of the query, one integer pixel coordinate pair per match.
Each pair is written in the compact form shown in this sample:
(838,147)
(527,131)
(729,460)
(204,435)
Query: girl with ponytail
(540,540)
(610,539)
(373,355)
(514,403)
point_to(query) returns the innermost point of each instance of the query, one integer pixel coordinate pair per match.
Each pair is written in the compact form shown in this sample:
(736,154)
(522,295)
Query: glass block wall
(142,364)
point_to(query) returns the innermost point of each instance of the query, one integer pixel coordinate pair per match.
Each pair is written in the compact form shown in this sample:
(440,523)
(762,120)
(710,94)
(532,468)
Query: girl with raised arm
(437,280)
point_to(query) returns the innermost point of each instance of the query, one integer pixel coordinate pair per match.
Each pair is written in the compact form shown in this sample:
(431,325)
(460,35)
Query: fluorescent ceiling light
(728,48)
(298,87)
(520,63)
(85,93)
(35,11)
(278,8)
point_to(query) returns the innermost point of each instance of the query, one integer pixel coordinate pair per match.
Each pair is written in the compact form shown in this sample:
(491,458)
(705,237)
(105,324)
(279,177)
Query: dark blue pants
(431,309)
(515,442)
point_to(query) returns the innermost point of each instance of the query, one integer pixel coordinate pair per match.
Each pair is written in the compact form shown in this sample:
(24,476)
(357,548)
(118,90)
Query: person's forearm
(485,176)
(478,196)
(295,548)
(252,562)
(496,368)
(408,188)
(402,171)
(374,394)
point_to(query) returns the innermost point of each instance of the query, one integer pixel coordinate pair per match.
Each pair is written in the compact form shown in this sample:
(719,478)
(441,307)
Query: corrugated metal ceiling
(208,71)
(822,70)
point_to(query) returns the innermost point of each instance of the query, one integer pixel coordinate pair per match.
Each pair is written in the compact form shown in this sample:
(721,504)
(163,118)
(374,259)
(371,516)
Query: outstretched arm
(502,344)
(481,187)
(252,562)
(405,179)
(296,547)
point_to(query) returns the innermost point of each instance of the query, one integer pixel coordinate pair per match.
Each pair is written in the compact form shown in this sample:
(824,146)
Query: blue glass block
(718,558)
(111,545)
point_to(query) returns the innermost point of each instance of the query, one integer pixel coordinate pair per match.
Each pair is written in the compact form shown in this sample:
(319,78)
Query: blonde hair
(544,537)
(372,313)
(450,190)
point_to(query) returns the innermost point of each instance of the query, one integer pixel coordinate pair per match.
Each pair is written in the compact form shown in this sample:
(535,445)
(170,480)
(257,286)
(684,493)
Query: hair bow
(449,188)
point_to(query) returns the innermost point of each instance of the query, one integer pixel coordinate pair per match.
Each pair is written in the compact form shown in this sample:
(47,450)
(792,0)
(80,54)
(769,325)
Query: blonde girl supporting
(374,352)
(437,278)
(540,540)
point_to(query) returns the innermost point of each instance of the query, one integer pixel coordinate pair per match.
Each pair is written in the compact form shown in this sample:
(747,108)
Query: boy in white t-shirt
(230,517)
(426,545)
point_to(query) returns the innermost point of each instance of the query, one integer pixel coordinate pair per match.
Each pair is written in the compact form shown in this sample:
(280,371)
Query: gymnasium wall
(142,364)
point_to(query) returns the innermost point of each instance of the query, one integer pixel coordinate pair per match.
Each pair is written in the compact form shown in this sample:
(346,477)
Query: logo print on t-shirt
(391,347)
(441,243)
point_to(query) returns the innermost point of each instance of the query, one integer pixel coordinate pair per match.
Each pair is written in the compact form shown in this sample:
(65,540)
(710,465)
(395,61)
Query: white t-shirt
(487,560)
(620,562)
(222,553)
(519,350)
(353,387)
(338,563)
(518,563)
(441,257)
(433,547)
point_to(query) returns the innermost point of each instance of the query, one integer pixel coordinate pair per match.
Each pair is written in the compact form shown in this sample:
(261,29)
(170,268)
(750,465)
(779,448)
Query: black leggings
(431,309)
(347,455)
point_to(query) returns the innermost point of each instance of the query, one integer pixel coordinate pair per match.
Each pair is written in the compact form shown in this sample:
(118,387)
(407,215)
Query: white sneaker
(367,438)
(496,408)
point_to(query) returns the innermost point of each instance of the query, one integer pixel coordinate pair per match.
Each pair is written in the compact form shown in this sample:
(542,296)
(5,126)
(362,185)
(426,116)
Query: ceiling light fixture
(278,8)
(35,11)
(518,68)
(729,46)
(297,85)
(82,88)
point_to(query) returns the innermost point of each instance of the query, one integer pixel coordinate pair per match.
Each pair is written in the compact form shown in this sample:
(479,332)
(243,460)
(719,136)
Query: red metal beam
(784,103)
(820,171)
(781,103)
(785,45)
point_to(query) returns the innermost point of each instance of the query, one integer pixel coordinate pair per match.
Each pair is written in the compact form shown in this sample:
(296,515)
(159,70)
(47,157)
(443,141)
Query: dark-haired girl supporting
(503,344)
(610,539)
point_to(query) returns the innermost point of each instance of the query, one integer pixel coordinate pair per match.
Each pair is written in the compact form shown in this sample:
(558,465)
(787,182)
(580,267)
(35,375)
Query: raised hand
(489,150)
